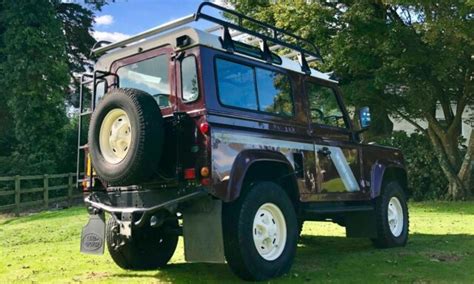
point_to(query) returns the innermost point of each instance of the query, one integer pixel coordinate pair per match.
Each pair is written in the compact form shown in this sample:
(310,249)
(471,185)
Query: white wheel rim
(115,136)
(269,231)
(395,216)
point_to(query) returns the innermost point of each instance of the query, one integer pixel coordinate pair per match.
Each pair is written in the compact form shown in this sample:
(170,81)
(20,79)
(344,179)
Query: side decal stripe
(337,156)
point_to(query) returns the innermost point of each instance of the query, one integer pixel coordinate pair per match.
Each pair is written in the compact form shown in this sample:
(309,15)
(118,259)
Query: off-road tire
(147,137)
(149,248)
(385,237)
(240,250)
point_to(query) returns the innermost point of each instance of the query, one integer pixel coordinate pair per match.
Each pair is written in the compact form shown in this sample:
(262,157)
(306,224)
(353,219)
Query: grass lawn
(44,247)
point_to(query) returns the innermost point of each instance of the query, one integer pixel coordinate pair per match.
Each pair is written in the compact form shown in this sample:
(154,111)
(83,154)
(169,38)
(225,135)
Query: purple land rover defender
(228,138)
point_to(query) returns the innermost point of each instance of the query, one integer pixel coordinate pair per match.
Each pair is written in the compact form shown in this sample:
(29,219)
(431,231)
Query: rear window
(253,88)
(150,75)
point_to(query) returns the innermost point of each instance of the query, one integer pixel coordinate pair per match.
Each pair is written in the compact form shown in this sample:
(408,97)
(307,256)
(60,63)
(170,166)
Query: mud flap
(93,235)
(202,230)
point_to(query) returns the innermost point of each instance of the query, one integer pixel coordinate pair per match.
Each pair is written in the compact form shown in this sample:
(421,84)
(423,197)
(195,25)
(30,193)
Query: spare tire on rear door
(126,137)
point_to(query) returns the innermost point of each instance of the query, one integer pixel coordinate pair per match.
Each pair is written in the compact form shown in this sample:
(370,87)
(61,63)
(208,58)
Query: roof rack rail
(277,37)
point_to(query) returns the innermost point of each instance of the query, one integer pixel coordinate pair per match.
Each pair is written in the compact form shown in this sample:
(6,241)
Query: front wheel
(391,217)
(260,232)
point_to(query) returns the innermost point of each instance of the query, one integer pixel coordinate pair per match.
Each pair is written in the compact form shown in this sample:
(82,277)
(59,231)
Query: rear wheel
(391,217)
(260,232)
(149,248)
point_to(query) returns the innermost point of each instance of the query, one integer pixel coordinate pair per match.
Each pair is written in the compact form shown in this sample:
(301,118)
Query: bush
(426,181)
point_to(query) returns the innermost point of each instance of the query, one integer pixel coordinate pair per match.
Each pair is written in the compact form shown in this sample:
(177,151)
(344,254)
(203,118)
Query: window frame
(254,66)
(348,125)
(197,78)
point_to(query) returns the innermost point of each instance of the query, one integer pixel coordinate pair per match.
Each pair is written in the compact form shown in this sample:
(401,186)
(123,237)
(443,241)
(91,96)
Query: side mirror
(364,117)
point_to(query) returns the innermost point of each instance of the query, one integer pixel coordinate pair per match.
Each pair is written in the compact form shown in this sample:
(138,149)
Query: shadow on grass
(340,259)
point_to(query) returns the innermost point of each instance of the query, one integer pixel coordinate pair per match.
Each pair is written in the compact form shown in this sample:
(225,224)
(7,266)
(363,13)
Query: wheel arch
(253,165)
(384,172)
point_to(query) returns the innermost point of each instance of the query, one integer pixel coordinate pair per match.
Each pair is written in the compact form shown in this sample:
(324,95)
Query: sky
(123,18)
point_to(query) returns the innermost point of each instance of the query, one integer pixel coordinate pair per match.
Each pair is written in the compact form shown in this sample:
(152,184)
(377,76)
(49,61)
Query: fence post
(46,191)
(69,190)
(17,195)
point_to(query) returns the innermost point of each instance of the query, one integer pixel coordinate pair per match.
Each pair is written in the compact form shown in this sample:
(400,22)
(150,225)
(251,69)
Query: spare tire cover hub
(115,136)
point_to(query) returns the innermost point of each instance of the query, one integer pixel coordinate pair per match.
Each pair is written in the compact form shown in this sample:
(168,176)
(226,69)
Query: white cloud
(223,3)
(114,36)
(104,20)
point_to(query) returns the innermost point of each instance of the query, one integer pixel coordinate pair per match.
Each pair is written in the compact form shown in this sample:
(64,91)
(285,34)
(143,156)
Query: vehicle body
(237,121)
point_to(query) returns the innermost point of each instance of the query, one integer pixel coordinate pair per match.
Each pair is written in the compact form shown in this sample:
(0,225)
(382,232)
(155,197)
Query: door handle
(324,151)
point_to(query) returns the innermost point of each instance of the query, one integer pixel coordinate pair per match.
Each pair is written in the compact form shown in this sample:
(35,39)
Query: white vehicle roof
(167,34)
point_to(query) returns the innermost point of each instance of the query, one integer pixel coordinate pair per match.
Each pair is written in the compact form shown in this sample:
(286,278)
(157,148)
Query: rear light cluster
(204,172)
(204,128)
(190,174)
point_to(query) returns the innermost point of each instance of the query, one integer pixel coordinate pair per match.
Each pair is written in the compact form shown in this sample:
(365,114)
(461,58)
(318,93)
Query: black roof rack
(262,31)
(273,34)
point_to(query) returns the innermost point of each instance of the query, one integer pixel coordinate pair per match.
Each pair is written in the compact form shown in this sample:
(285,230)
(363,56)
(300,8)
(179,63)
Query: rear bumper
(140,204)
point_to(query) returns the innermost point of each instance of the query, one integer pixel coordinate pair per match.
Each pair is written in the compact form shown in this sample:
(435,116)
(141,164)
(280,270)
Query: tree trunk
(459,176)
(467,167)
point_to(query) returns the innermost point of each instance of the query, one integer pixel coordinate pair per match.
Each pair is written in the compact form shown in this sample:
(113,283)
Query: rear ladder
(86,79)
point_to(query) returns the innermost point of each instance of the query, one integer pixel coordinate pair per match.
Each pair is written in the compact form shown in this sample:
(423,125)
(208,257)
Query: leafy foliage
(36,81)
(426,180)
(77,21)
(43,44)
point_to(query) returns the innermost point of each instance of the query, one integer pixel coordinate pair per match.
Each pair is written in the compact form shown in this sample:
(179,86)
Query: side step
(335,207)
(358,219)
(320,211)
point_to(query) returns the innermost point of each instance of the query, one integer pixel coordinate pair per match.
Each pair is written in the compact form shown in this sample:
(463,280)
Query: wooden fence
(30,185)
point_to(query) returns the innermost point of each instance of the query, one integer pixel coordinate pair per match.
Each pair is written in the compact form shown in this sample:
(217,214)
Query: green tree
(404,58)
(72,23)
(77,22)
(6,135)
(35,77)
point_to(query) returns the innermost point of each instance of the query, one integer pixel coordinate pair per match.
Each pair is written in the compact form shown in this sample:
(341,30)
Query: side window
(236,84)
(189,79)
(274,92)
(253,88)
(150,75)
(324,107)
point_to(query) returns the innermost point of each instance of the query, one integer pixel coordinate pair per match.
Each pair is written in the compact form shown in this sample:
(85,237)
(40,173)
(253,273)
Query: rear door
(338,171)
(153,72)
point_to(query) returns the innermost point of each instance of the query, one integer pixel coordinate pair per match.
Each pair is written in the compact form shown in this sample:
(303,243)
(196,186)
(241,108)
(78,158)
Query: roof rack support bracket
(267,54)
(304,64)
(227,42)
